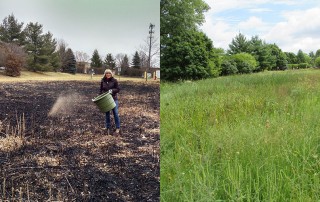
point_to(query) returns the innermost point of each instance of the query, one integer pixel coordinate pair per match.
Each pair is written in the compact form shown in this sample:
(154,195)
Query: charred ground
(67,155)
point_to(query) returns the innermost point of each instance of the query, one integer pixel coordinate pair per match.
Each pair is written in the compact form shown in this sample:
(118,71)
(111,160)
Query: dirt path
(67,155)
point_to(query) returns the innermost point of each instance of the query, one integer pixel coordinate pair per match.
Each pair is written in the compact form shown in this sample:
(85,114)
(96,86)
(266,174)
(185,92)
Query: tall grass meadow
(242,138)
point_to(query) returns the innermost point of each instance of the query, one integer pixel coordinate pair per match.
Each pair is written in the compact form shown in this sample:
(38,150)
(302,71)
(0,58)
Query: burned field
(53,145)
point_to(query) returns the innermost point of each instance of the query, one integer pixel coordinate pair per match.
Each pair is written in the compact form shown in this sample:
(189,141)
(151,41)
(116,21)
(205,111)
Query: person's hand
(110,91)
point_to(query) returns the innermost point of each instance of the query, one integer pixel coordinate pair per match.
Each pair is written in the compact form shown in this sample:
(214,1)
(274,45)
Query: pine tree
(109,61)
(41,48)
(69,63)
(136,61)
(301,57)
(34,43)
(125,62)
(258,49)
(47,52)
(96,60)
(239,45)
(11,31)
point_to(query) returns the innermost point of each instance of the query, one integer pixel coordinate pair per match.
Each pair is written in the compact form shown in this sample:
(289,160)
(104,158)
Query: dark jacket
(107,84)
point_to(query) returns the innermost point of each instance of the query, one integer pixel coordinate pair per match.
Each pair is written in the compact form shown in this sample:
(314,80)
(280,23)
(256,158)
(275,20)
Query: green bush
(303,65)
(317,62)
(228,67)
(187,56)
(292,66)
(245,62)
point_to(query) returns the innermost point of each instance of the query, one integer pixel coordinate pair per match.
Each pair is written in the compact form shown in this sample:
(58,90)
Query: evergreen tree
(69,64)
(291,58)
(11,31)
(136,61)
(301,57)
(41,49)
(125,62)
(96,60)
(109,61)
(278,59)
(239,45)
(34,43)
(47,52)
(317,62)
(259,50)
(317,53)
(312,58)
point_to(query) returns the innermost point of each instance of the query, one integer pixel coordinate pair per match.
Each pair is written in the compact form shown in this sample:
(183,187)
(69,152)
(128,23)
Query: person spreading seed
(110,84)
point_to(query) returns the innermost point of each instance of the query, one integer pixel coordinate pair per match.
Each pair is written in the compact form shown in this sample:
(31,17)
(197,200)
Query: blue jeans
(115,114)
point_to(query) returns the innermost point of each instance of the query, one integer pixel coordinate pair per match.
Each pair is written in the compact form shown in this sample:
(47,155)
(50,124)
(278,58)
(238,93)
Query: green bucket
(104,102)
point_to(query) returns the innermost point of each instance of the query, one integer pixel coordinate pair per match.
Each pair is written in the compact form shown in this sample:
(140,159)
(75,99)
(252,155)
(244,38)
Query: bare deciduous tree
(119,58)
(82,56)
(13,57)
(61,49)
(155,52)
(122,61)
(18,51)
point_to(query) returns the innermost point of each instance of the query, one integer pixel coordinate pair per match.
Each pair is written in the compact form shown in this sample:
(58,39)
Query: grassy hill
(242,138)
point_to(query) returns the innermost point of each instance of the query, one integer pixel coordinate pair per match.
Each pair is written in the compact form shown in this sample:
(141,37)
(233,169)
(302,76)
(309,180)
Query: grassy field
(242,138)
(59,76)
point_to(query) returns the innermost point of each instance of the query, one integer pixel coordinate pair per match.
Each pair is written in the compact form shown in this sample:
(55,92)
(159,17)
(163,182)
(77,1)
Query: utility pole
(151,26)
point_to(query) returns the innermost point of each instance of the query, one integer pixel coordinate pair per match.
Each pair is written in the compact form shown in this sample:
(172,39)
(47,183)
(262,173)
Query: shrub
(317,62)
(13,65)
(228,67)
(302,65)
(13,57)
(246,63)
(133,72)
(290,66)
(98,70)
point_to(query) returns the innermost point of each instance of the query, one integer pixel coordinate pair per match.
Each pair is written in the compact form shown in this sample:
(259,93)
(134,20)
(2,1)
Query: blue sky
(110,26)
(291,24)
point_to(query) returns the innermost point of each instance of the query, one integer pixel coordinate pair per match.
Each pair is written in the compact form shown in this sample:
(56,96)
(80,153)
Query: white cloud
(259,10)
(222,5)
(252,23)
(219,31)
(298,31)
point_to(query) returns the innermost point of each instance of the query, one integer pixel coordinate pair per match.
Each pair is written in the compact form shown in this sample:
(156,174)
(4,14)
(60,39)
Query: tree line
(28,47)
(188,53)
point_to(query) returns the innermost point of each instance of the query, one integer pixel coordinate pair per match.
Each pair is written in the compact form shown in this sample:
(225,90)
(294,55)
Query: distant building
(152,71)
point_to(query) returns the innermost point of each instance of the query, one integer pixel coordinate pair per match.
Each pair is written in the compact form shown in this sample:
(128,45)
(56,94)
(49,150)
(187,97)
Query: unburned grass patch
(10,143)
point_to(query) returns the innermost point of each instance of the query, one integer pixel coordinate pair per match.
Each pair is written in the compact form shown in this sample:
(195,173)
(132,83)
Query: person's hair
(108,71)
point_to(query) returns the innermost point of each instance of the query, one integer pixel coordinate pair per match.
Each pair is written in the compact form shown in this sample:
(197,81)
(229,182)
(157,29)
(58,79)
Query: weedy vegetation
(242,138)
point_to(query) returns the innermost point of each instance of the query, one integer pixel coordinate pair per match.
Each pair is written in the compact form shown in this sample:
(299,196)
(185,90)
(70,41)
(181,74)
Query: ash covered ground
(64,153)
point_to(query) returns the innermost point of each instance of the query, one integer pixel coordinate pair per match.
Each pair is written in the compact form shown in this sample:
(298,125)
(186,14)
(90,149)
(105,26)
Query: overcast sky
(291,24)
(110,26)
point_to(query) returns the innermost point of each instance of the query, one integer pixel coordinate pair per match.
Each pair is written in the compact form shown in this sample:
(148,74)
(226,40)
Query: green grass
(242,138)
